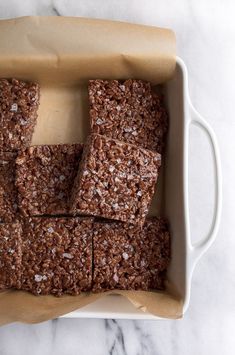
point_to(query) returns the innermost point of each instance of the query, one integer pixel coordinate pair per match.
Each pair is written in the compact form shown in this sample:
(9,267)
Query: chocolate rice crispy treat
(57,255)
(19,102)
(129,258)
(8,193)
(44,178)
(129,111)
(116,180)
(10,255)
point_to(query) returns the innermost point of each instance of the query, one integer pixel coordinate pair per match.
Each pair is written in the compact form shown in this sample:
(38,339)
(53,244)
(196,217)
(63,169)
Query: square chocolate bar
(129,111)
(8,192)
(57,255)
(116,180)
(10,255)
(129,258)
(19,103)
(45,176)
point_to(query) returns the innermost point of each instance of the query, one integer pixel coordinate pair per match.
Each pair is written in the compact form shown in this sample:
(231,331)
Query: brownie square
(10,255)
(129,258)
(129,111)
(8,193)
(19,102)
(45,176)
(57,255)
(116,180)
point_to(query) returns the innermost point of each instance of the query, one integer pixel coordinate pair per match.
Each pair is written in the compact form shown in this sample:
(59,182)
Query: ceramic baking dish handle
(198,249)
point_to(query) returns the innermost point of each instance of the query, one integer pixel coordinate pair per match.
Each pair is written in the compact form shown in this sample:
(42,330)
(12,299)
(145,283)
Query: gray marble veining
(205,33)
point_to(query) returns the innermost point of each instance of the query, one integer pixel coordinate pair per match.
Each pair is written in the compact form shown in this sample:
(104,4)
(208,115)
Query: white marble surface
(205,36)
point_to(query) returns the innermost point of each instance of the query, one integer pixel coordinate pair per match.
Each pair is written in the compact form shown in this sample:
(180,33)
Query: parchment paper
(62,53)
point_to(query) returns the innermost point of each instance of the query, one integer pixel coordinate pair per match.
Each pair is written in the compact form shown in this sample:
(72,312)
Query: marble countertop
(205,33)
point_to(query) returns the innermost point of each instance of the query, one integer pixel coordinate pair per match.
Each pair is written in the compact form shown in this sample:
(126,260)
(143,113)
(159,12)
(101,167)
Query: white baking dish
(184,255)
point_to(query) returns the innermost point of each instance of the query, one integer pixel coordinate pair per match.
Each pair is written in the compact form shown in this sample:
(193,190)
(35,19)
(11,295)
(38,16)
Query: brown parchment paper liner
(62,53)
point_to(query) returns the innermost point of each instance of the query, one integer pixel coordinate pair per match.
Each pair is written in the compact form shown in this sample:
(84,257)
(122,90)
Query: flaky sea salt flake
(115,277)
(125,256)
(67,255)
(38,278)
(99,121)
(14,107)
